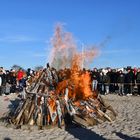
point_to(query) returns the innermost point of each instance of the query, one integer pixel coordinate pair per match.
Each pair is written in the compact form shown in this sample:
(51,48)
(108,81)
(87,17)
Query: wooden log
(17,119)
(48,119)
(101,113)
(59,113)
(21,120)
(111,115)
(33,111)
(45,112)
(26,112)
(39,120)
(30,115)
(35,87)
(81,121)
(91,121)
(107,106)
(31,121)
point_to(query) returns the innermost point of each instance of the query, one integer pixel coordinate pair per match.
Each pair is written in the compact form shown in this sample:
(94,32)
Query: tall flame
(65,54)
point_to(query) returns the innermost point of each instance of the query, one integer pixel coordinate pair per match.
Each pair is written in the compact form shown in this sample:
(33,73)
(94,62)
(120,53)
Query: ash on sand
(125,127)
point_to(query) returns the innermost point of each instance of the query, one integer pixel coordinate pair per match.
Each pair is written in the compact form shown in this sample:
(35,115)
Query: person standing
(20,75)
(121,78)
(13,81)
(95,79)
(3,81)
(8,84)
(106,82)
(0,82)
(138,81)
(129,80)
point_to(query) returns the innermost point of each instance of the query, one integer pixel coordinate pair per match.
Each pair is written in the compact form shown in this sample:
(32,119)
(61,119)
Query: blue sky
(26,27)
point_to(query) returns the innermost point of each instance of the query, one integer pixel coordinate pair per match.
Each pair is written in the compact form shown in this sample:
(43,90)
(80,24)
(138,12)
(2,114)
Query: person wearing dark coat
(129,80)
(101,84)
(3,82)
(13,81)
(28,73)
(138,80)
(95,79)
(112,75)
(120,81)
(106,82)
(8,82)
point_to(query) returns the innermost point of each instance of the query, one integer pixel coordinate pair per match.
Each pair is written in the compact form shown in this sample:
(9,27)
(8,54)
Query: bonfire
(71,97)
(62,97)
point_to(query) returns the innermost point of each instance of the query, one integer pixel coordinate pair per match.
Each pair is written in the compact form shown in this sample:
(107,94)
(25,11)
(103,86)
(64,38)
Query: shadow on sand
(14,103)
(82,133)
(6,138)
(12,108)
(126,137)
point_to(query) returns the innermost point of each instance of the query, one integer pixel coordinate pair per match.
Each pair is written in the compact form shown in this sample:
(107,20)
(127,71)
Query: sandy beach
(125,127)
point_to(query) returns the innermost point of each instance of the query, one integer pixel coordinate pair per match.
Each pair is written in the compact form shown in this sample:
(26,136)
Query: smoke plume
(65,54)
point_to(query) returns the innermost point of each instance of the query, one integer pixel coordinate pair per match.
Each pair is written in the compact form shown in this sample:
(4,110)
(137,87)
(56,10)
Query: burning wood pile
(50,101)
(63,96)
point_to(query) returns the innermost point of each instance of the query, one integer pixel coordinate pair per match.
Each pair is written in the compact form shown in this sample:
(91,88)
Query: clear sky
(26,26)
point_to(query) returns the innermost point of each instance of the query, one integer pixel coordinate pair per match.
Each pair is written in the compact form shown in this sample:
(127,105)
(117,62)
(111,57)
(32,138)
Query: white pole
(82,56)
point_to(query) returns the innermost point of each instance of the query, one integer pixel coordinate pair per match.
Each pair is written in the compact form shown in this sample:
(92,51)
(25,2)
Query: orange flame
(65,54)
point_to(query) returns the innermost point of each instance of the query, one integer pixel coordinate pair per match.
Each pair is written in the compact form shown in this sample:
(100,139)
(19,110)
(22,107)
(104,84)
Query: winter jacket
(95,76)
(129,77)
(20,75)
(13,80)
(121,78)
(3,79)
(138,77)
(106,79)
(0,81)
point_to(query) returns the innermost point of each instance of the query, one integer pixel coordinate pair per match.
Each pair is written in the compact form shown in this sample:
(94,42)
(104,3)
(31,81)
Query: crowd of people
(12,81)
(124,81)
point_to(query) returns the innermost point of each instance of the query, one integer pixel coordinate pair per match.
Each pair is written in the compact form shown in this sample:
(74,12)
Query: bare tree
(38,68)
(16,67)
